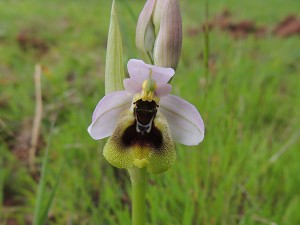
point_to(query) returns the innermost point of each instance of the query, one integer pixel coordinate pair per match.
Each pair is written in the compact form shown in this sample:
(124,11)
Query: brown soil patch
(225,22)
(11,221)
(289,26)
(19,143)
(28,39)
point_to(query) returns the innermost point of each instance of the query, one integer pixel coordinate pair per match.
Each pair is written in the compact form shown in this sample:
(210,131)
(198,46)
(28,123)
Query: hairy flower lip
(185,122)
(127,148)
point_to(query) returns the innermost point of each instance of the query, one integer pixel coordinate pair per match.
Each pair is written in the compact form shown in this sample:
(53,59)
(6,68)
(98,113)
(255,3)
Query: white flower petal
(161,75)
(107,112)
(140,71)
(185,122)
(131,86)
(163,90)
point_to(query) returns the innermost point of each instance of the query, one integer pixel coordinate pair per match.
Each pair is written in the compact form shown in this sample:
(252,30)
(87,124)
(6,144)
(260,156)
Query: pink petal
(140,71)
(107,112)
(163,90)
(161,75)
(185,122)
(131,86)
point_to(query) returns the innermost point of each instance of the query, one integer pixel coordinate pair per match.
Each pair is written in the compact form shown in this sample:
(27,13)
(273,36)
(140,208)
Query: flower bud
(168,41)
(145,36)
(159,33)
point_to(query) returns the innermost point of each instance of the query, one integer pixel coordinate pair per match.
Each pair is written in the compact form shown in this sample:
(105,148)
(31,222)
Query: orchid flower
(144,120)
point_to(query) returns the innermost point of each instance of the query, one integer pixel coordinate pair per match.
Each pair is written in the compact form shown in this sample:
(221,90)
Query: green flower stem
(138,177)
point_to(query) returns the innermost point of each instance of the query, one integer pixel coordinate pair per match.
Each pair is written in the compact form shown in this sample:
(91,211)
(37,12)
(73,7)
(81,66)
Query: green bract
(114,72)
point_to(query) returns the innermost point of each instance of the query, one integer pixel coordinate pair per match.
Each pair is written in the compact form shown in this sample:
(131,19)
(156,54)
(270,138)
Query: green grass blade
(44,215)
(130,11)
(42,185)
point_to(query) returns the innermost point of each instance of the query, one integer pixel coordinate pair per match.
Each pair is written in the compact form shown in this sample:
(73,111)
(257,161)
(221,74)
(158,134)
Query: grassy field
(246,171)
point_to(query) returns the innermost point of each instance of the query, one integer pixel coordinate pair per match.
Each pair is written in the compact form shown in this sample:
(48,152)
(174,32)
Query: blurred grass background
(246,171)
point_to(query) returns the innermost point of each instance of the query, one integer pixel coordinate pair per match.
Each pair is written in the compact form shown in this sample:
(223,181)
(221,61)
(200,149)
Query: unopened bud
(168,41)
(159,33)
(145,36)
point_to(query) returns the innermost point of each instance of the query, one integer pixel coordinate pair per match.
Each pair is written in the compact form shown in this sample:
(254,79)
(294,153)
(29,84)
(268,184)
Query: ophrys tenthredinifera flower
(144,120)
